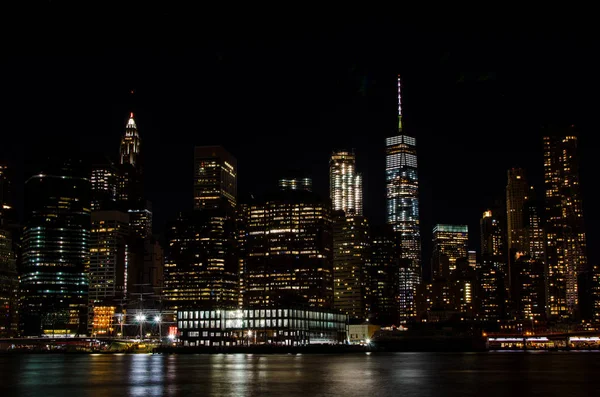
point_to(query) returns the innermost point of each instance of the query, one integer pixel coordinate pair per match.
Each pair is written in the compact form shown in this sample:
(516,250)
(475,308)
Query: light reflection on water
(377,374)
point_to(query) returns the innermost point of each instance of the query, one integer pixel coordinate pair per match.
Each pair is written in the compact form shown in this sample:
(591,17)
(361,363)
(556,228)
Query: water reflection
(423,374)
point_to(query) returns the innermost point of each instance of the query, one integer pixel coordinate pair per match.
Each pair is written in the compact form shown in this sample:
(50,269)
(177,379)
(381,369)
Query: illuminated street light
(157,319)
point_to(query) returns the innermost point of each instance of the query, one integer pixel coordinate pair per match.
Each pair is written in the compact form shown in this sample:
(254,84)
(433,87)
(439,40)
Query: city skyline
(442,110)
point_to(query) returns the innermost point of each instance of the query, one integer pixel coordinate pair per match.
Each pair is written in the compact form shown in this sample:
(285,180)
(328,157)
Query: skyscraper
(108,271)
(54,284)
(492,241)
(131,188)
(566,240)
(350,258)
(104,183)
(403,198)
(517,190)
(6,204)
(215,178)
(288,251)
(201,269)
(345,184)
(384,276)
(130,144)
(449,244)
(9,286)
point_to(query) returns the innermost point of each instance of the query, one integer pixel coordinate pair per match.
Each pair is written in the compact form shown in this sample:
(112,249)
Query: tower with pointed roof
(402,196)
(130,144)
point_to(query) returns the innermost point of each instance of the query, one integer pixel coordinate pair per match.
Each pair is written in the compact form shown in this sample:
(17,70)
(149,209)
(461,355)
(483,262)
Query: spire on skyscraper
(130,143)
(399,104)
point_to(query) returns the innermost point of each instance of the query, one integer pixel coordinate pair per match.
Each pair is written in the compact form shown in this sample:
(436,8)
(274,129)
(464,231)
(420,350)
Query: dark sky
(284,98)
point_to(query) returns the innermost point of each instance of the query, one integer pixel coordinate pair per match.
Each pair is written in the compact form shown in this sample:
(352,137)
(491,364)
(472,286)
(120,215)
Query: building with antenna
(402,184)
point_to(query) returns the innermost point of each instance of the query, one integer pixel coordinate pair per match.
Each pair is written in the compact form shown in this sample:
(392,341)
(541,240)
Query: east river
(365,374)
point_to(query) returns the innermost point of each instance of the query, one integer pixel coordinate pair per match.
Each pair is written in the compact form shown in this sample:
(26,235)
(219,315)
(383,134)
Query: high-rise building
(492,238)
(345,184)
(7,214)
(595,293)
(517,191)
(9,286)
(201,269)
(449,243)
(566,240)
(288,251)
(109,265)
(130,183)
(350,258)
(104,184)
(215,178)
(384,276)
(531,288)
(403,201)
(130,144)
(534,226)
(54,283)
(140,220)
(491,290)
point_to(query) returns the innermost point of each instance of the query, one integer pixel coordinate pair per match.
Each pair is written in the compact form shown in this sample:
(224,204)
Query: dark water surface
(509,374)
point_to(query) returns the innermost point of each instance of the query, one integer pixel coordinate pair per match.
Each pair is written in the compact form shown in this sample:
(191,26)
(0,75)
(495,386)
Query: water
(365,375)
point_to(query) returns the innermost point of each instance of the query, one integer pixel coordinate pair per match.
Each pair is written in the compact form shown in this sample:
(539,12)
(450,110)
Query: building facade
(201,269)
(345,183)
(109,266)
(402,185)
(449,244)
(350,261)
(566,239)
(215,178)
(384,276)
(56,251)
(282,326)
(288,251)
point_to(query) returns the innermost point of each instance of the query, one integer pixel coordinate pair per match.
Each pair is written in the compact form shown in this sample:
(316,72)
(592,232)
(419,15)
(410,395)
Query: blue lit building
(403,210)
(56,252)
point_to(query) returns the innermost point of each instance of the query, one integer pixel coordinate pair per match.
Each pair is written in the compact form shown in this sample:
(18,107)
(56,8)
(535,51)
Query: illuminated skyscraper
(201,266)
(492,239)
(350,253)
(449,244)
(566,240)
(131,189)
(56,251)
(104,184)
(215,178)
(201,269)
(516,197)
(345,184)
(517,190)
(6,205)
(384,276)
(130,144)
(403,199)
(109,264)
(288,251)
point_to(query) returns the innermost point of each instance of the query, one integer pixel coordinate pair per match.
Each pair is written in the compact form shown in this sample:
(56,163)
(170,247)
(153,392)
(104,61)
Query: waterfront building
(282,326)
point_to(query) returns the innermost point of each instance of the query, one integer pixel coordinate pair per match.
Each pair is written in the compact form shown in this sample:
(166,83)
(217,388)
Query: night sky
(285,98)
